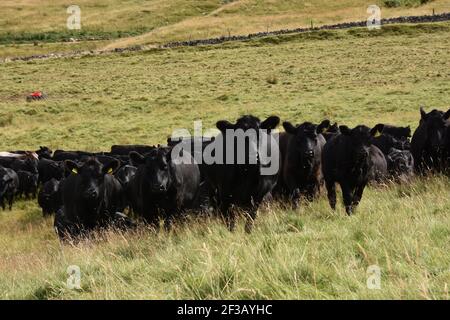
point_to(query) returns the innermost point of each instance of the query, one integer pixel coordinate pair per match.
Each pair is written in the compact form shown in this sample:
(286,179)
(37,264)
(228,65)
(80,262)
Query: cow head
(306,140)
(247,130)
(436,123)
(359,141)
(44,152)
(158,169)
(91,175)
(362,135)
(400,162)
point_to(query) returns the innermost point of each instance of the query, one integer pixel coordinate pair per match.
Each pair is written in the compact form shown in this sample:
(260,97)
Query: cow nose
(91,193)
(309,153)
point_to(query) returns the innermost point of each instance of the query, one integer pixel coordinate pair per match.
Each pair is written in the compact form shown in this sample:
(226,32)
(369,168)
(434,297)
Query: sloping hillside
(125,23)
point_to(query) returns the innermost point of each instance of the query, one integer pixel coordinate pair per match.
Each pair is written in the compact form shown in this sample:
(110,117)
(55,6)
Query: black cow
(125,150)
(91,197)
(43,152)
(428,142)
(49,197)
(400,133)
(29,163)
(28,184)
(49,169)
(250,177)
(346,159)
(9,184)
(385,142)
(301,159)
(164,185)
(400,164)
(125,174)
(62,155)
(379,169)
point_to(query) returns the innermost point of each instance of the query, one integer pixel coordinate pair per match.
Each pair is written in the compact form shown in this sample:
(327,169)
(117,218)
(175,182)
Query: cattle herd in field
(89,191)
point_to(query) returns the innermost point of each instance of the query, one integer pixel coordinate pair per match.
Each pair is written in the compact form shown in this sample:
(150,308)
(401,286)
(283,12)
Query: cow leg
(331,193)
(10,201)
(358,195)
(229,214)
(347,193)
(252,213)
(2,201)
(295,197)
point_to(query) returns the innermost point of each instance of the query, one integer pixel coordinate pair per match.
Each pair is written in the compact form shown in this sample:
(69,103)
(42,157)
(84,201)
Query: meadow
(350,76)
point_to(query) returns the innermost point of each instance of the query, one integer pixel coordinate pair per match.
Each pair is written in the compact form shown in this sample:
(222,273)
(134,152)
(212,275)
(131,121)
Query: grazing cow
(400,164)
(125,150)
(385,142)
(346,159)
(164,185)
(16,161)
(28,164)
(400,133)
(28,184)
(301,159)
(91,197)
(428,141)
(43,152)
(246,183)
(62,155)
(49,169)
(49,197)
(379,169)
(9,184)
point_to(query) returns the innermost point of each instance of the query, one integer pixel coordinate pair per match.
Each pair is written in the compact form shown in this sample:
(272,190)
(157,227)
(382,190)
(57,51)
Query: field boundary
(239,38)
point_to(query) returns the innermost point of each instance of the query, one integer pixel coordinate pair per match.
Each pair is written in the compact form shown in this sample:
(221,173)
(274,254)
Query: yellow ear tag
(74,171)
(377,134)
(324,130)
(110,171)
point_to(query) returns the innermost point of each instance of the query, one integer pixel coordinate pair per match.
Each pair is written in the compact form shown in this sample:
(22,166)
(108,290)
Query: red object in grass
(36,94)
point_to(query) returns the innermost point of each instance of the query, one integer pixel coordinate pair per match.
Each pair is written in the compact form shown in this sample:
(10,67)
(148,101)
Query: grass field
(137,22)
(352,76)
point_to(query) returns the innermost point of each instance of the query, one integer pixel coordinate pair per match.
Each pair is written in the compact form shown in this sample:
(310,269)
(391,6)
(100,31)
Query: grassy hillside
(352,76)
(158,21)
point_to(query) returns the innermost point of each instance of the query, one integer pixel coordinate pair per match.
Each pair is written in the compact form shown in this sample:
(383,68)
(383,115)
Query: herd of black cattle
(87,191)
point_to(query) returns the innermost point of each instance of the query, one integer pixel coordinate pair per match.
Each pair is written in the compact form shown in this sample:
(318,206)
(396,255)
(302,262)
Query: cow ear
(270,123)
(136,158)
(408,131)
(446,115)
(289,128)
(345,130)
(170,156)
(72,166)
(377,130)
(323,126)
(223,125)
(112,166)
(423,114)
